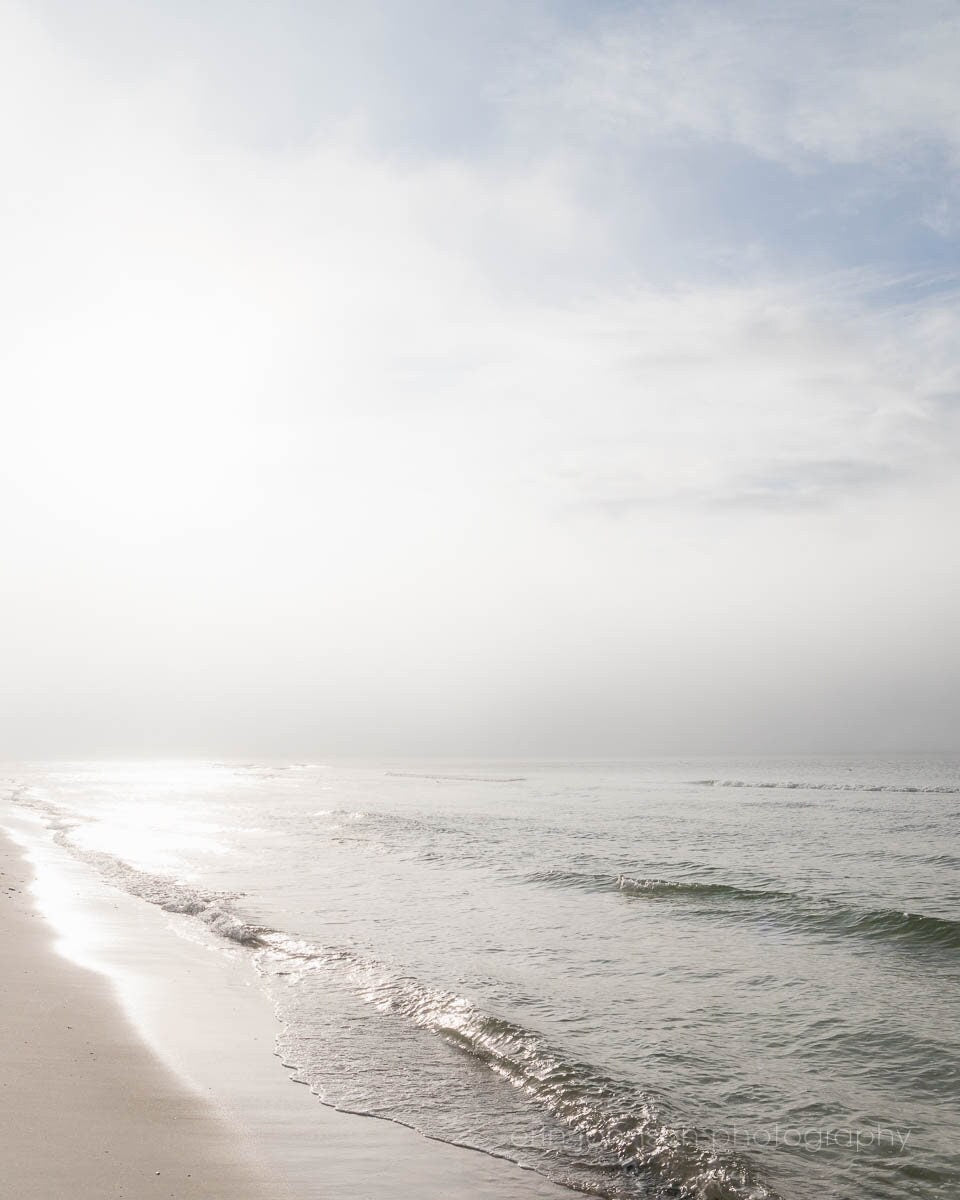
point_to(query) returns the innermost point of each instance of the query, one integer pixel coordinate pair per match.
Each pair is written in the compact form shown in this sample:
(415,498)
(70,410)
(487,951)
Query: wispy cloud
(848,81)
(759,138)
(775,486)
(339,407)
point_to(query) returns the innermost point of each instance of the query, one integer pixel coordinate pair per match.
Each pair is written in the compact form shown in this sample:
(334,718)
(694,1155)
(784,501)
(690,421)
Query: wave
(630,1133)
(933,789)
(628,1128)
(214,909)
(823,913)
(941,860)
(458,778)
(652,887)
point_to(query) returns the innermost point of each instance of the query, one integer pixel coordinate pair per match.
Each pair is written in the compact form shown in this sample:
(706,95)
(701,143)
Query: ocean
(717,979)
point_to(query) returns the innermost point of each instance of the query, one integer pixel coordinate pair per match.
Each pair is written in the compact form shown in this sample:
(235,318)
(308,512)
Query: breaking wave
(824,914)
(626,1128)
(627,1142)
(214,909)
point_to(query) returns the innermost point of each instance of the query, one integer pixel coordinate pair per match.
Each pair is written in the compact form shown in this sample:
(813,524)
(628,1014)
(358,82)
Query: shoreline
(187,1013)
(88,1110)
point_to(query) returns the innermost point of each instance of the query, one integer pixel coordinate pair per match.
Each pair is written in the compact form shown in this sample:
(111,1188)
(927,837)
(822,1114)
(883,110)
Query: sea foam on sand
(135,1044)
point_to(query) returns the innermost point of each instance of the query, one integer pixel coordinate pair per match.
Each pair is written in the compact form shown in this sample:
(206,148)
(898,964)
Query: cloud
(314,431)
(768,398)
(799,484)
(774,486)
(392,322)
(797,83)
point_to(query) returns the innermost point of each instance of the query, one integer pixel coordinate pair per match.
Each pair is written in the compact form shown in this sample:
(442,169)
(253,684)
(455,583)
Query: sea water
(694,978)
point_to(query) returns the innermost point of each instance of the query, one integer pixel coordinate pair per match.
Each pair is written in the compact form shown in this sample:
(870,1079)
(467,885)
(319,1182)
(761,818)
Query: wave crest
(629,1127)
(828,915)
(933,789)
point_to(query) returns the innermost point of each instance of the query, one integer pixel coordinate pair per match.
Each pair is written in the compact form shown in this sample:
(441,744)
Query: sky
(541,378)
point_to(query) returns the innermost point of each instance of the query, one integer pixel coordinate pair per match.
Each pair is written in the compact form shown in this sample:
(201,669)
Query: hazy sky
(570,378)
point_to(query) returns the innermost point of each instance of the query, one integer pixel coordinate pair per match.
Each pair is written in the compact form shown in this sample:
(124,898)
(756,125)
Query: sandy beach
(149,1053)
(88,1111)
(480,709)
(153,1075)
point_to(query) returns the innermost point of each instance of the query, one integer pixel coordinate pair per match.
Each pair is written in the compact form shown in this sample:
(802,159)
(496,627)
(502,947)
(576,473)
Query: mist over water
(711,979)
(504,380)
(497,380)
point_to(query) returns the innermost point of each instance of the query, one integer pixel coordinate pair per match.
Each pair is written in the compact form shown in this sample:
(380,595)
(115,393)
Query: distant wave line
(934,789)
(459,778)
(824,913)
(617,1116)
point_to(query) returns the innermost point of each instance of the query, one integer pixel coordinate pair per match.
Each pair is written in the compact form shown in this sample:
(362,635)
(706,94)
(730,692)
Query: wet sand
(87,1110)
(160,1060)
